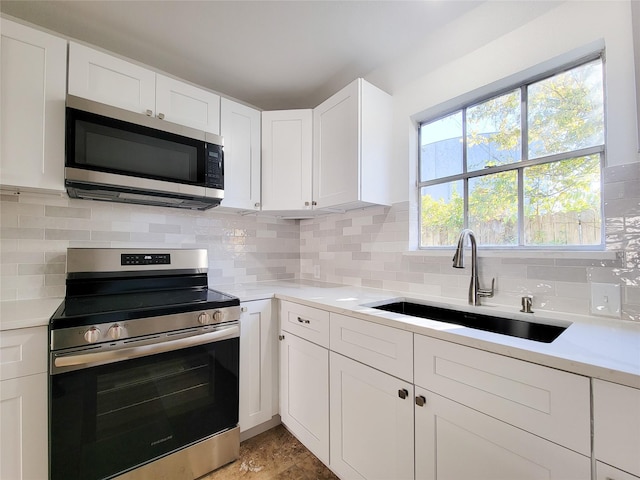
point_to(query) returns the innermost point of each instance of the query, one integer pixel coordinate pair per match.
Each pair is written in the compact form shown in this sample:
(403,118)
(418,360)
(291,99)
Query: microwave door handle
(86,360)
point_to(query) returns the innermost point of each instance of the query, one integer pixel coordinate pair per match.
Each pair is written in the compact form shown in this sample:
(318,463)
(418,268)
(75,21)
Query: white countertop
(592,346)
(27,313)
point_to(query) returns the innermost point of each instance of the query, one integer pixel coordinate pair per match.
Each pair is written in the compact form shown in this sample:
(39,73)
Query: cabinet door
(616,425)
(454,442)
(107,79)
(336,148)
(286,160)
(304,393)
(23,437)
(240,128)
(187,105)
(257,338)
(371,422)
(33,68)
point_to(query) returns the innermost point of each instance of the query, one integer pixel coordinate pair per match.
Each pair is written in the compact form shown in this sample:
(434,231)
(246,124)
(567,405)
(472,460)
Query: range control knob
(92,335)
(218,316)
(116,331)
(204,318)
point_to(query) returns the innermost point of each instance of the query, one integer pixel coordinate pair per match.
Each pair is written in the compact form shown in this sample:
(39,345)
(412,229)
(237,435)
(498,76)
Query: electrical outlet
(316,271)
(605,299)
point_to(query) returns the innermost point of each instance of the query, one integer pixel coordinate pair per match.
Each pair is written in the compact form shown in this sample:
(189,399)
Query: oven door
(107,419)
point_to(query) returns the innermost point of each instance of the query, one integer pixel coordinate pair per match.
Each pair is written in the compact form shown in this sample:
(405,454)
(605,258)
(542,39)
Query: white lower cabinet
(607,472)
(616,427)
(257,375)
(550,403)
(23,438)
(23,404)
(454,442)
(371,422)
(304,392)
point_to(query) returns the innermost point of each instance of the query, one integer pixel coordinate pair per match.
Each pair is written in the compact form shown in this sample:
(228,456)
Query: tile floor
(273,455)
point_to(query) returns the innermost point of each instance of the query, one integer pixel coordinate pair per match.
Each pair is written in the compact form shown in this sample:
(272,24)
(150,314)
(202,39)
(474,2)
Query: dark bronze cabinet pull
(420,400)
(403,393)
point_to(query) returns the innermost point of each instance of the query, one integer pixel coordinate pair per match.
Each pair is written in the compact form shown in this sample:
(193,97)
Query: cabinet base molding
(258,429)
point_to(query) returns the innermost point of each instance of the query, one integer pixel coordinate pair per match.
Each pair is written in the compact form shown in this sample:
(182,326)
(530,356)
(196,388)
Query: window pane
(562,202)
(441,210)
(566,112)
(441,148)
(493,208)
(493,132)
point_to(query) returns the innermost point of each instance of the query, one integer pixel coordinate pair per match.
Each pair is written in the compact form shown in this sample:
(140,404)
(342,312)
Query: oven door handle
(85,360)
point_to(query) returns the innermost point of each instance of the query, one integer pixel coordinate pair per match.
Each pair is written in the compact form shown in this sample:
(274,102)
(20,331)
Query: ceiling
(270,54)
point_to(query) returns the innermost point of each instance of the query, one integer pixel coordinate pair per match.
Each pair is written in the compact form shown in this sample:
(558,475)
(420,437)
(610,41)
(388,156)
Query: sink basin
(539,332)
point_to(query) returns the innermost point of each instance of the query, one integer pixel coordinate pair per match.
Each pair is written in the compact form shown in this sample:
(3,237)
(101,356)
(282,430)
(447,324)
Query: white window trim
(547,69)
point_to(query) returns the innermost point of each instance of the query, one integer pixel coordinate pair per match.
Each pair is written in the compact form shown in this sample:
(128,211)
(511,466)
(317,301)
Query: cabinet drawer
(547,402)
(606,472)
(379,346)
(307,322)
(616,425)
(23,352)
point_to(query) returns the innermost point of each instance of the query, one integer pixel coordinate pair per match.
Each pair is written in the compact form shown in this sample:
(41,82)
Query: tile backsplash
(366,247)
(36,230)
(369,248)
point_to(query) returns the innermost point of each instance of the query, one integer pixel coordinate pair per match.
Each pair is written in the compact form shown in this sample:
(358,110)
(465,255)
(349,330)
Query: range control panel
(145,259)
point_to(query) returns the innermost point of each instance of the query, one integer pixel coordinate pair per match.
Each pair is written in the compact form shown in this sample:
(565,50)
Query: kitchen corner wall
(36,230)
(368,248)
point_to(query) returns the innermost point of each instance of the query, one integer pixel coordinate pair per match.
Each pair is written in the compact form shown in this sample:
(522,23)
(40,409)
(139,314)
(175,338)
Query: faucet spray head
(458,257)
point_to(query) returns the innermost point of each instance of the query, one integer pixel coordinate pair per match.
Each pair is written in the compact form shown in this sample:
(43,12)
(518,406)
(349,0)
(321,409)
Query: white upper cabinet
(179,102)
(106,79)
(286,160)
(352,148)
(240,129)
(111,80)
(32,113)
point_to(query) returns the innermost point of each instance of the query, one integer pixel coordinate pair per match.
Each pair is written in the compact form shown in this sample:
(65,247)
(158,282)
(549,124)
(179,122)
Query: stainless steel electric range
(143,368)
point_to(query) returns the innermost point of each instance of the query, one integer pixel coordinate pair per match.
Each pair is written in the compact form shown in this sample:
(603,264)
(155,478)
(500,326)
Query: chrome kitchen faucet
(475,292)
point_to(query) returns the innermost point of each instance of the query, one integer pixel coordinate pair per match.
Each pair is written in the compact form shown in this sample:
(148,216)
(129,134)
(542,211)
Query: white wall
(369,247)
(547,40)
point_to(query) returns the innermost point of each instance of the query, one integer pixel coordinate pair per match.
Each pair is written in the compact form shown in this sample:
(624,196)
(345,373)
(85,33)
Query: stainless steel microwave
(121,156)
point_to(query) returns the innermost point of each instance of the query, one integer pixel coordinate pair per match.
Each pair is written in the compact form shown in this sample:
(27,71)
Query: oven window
(108,419)
(129,399)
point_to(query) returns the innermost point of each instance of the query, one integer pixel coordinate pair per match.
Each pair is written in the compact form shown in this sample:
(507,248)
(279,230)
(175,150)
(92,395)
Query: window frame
(520,165)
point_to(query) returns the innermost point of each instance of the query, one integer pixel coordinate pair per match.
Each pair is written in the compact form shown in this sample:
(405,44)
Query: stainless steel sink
(539,332)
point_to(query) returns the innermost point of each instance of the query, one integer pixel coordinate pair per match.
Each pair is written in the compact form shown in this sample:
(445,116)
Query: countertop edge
(525,350)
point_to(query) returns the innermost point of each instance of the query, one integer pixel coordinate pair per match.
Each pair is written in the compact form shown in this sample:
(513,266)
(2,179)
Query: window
(521,169)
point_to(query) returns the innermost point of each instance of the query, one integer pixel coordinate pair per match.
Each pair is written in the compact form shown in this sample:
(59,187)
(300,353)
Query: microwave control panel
(214,166)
